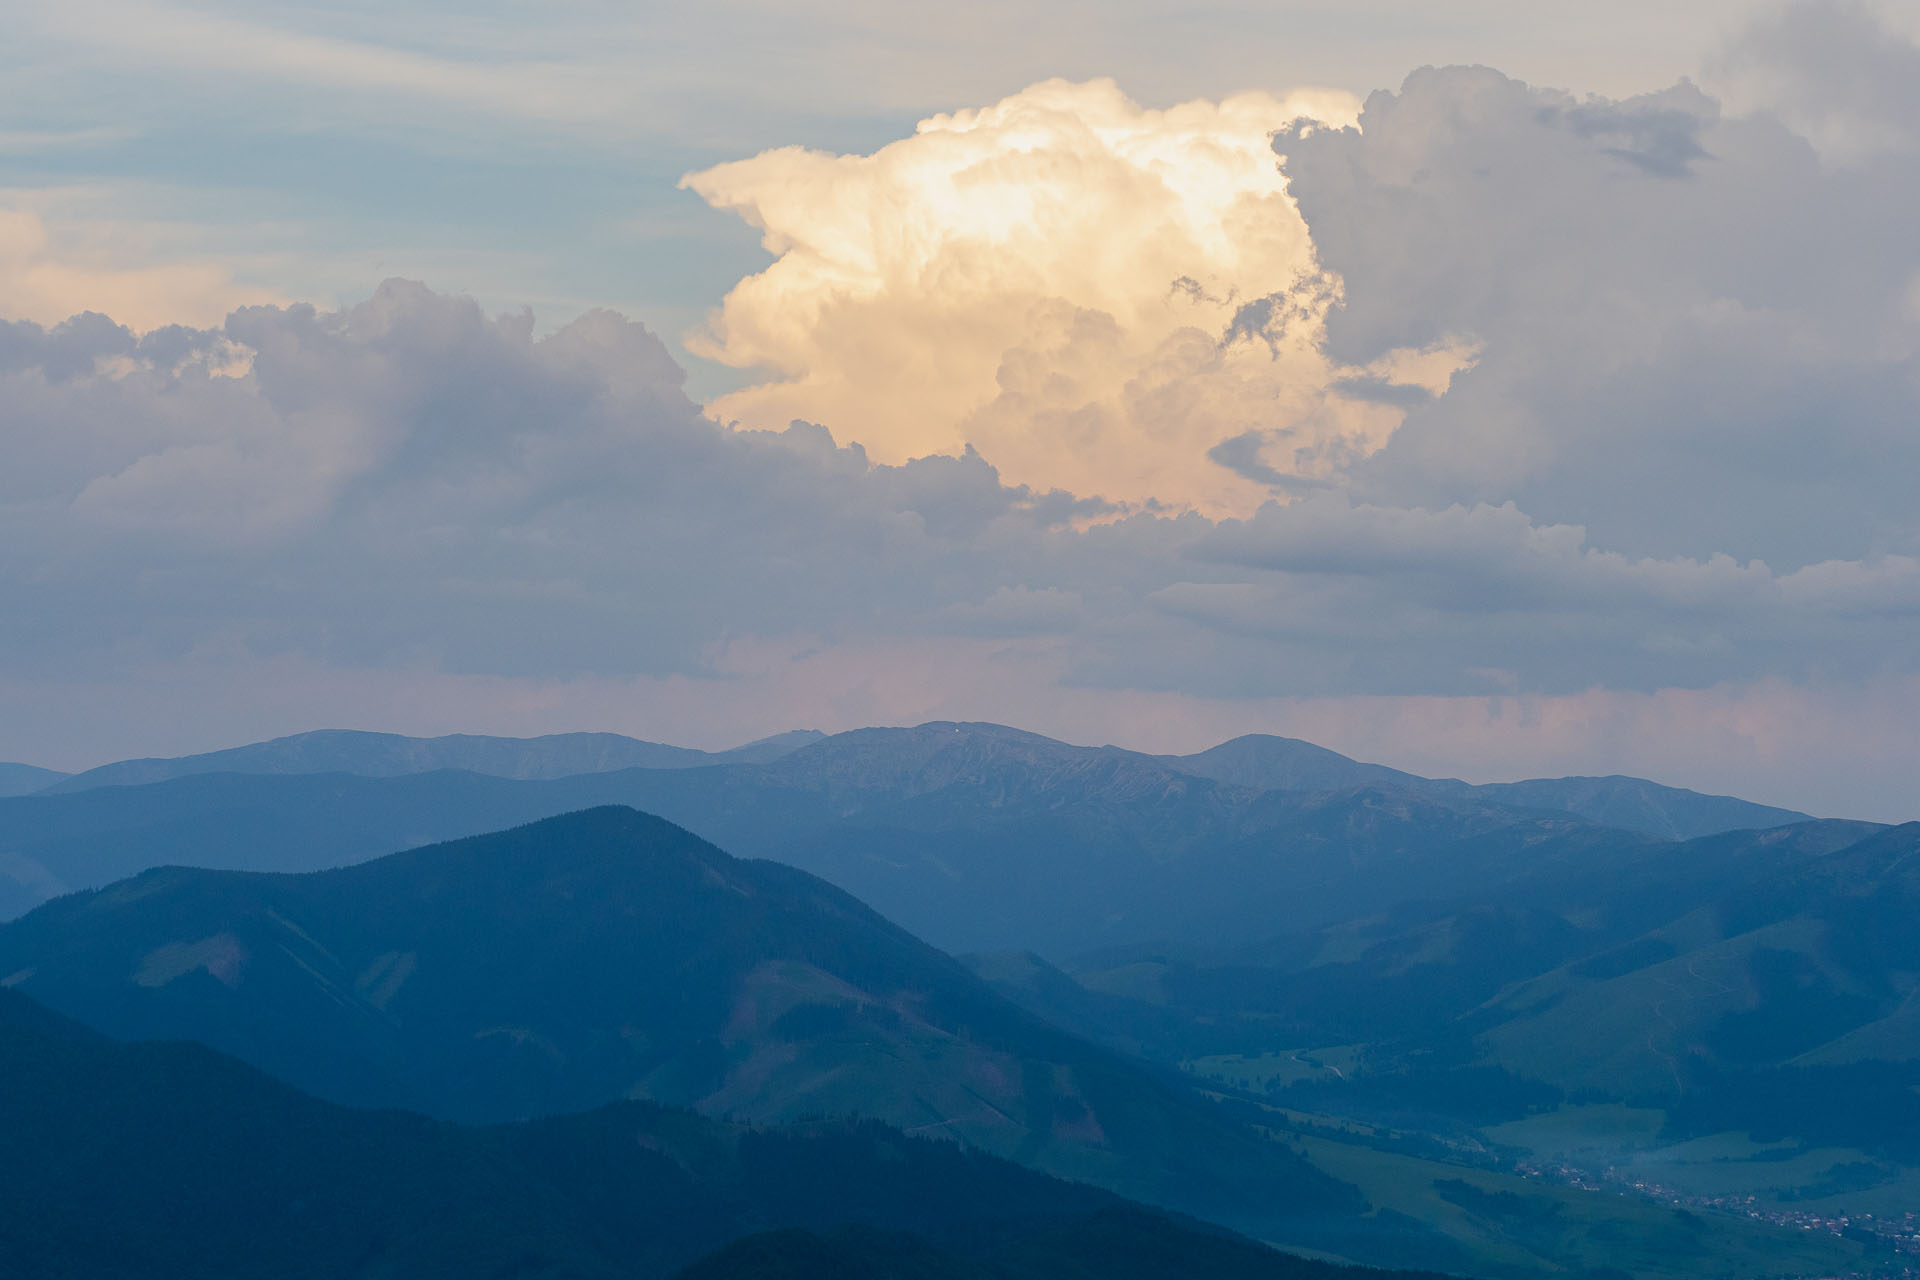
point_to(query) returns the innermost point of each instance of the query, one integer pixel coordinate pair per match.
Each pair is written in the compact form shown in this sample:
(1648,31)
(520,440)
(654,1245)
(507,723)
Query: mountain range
(609,955)
(1261,762)
(975,836)
(1320,1001)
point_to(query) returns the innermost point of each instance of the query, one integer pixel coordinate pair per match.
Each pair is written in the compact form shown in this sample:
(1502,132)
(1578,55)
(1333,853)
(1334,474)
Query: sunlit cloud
(43,281)
(1097,296)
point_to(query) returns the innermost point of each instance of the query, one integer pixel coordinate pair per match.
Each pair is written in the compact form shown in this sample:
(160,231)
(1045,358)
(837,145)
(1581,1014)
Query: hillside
(157,1161)
(608,955)
(1808,965)
(1617,970)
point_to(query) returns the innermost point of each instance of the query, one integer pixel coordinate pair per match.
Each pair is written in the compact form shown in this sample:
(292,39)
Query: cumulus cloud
(1097,296)
(412,479)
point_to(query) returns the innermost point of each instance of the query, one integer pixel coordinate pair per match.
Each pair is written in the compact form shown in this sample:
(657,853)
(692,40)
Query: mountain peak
(1266,762)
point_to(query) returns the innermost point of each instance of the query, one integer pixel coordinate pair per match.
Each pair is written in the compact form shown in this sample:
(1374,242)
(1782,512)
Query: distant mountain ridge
(901,757)
(978,837)
(1265,762)
(387,755)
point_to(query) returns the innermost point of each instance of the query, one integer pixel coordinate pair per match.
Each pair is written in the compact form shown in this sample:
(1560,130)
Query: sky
(1493,390)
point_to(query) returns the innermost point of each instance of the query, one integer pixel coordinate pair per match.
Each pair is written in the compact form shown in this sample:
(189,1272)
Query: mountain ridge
(1269,762)
(1262,762)
(978,837)
(390,755)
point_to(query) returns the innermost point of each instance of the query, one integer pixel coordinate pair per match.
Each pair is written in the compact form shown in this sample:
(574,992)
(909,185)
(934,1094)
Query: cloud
(1694,337)
(1093,294)
(1496,598)
(413,481)
(1836,70)
(46,282)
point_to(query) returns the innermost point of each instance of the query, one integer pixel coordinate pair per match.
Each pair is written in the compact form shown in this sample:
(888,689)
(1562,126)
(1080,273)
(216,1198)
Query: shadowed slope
(157,1161)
